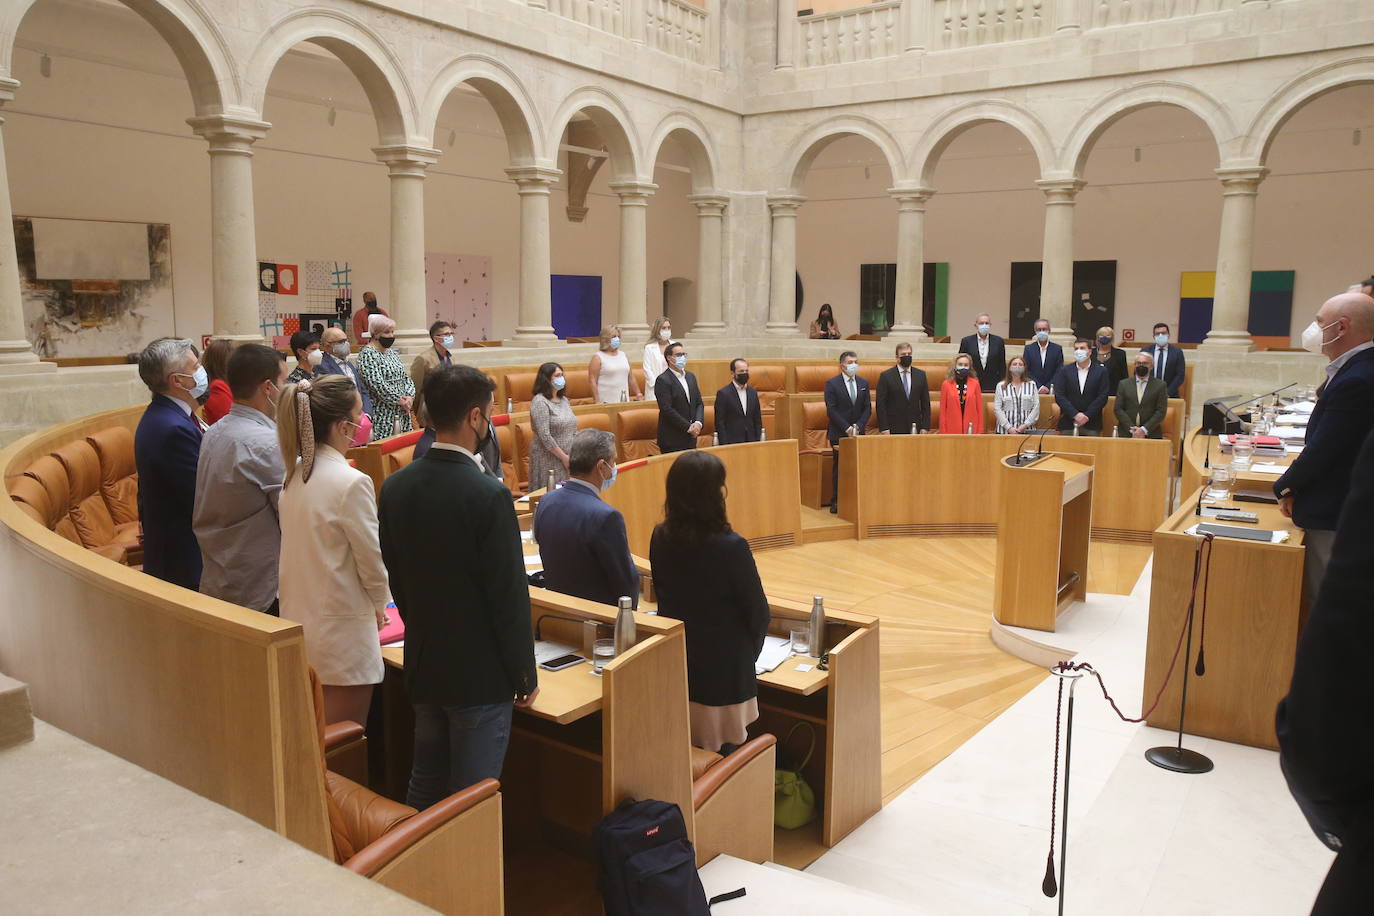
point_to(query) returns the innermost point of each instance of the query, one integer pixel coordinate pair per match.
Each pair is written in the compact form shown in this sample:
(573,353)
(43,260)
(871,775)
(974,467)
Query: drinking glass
(801,641)
(1219,484)
(1241,450)
(603,650)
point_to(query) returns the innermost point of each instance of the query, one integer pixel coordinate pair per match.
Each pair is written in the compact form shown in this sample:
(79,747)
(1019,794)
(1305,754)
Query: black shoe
(833,509)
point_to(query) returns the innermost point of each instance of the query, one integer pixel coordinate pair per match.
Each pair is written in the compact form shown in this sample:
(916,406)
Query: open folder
(775,652)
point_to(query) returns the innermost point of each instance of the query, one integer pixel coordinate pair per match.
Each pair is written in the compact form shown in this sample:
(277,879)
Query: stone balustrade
(606,15)
(862,33)
(677,28)
(967,23)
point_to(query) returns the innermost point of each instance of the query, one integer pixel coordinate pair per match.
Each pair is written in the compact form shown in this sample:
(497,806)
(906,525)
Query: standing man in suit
(1169,362)
(989,353)
(1080,390)
(166,452)
(581,537)
(334,343)
(451,546)
(1141,402)
(903,397)
(681,412)
(440,338)
(739,417)
(848,408)
(1044,357)
(1315,485)
(1325,738)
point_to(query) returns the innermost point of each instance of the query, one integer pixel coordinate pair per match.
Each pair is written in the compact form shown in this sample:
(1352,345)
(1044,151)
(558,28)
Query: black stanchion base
(1179,760)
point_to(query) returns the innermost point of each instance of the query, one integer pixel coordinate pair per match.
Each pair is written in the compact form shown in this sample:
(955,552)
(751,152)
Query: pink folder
(394,631)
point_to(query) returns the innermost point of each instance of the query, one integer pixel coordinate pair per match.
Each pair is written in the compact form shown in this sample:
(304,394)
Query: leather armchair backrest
(524,435)
(812,378)
(114,447)
(86,504)
(638,433)
(708,427)
(505,438)
(600,421)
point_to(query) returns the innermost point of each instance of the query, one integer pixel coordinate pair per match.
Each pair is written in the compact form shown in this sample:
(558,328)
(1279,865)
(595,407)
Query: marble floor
(971,835)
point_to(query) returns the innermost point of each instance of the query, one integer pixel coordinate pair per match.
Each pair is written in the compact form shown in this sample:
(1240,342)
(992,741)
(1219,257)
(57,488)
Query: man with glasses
(681,411)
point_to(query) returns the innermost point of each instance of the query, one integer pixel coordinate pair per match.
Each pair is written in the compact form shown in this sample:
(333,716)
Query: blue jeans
(456,746)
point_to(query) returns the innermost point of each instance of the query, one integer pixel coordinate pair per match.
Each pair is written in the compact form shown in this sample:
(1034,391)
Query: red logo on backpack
(651,831)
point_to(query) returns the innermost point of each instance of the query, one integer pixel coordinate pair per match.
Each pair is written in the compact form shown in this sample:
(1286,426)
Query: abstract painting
(458,290)
(1093,297)
(1271,306)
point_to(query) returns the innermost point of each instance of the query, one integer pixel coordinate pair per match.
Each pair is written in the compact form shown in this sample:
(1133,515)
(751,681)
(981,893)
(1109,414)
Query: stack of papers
(1304,407)
(776,649)
(1267,467)
(1289,432)
(546,650)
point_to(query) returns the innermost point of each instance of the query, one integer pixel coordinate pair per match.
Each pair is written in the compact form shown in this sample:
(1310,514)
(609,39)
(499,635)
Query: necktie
(853,394)
(906,382)
(1159,367)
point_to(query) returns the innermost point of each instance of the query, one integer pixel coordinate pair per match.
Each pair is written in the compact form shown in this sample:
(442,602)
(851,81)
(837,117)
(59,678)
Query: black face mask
(961,372)
(386,342)
(741,378)
(1142,371)
(484,437)
(904,360)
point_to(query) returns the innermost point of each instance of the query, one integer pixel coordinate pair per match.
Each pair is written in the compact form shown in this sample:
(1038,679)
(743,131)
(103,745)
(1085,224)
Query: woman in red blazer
(219,398)
(961,399)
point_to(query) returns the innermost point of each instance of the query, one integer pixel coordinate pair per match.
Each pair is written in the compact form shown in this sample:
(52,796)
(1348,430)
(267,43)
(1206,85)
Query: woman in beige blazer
(332,581)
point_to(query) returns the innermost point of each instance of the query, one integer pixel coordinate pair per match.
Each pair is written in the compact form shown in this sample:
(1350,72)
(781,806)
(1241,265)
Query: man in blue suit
(848,407)
(1313,489)
(334,343)
(1044,358)
(166,451)
(581,538)
(1080,390)
(1169,362)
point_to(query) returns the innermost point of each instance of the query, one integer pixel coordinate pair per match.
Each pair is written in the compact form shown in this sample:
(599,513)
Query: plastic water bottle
(816,627)
(914,431)
(624,396)
(510,405)
(763,435)
(624,626)
(715,440)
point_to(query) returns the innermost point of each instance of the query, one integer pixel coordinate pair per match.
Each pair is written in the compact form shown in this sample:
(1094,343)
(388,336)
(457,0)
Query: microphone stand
(1262,396)
(1072,677)
(1179,759)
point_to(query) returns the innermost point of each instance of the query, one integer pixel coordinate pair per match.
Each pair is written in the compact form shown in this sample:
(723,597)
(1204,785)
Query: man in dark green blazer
(451,545)
(1141,402)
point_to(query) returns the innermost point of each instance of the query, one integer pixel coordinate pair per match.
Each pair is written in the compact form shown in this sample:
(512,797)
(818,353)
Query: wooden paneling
(738,818)
(458,868)
(854,713)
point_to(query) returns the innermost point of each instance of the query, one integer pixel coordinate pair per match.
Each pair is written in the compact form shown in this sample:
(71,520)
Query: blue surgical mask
(615,343)
(558,382)
(447,340)
(984,328)
(202,381)
(851,368)
(1042,336)
(680,362)
(1080,355)
(606,484)
(1162,340)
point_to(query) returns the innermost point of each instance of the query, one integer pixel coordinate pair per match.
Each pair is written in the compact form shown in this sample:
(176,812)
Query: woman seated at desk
(961,398)
(705,576)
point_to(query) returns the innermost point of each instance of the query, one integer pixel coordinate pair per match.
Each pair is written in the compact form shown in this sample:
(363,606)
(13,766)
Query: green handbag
(794,802)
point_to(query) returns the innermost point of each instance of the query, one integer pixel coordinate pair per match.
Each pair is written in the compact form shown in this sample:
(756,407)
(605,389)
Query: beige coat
(332,581)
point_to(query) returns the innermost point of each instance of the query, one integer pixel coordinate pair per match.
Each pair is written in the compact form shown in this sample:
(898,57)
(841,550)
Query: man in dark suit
(1315,485)
(334,343)
(581,538)
(1141,402)
(738,415)
(1044,358)
(1325,738)
(166,451)
(989,353)
(681,412)
(903,397)
(1080,390)
(1170,364)
(848,408)
(451,545)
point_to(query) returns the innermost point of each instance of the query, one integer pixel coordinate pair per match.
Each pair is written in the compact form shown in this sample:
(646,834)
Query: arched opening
(106,179)
(685,231)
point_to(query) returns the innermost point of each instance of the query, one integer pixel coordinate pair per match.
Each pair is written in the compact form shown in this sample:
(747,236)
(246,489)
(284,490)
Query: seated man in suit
(848,408)
(1141,402)
(166,451)
(681,412)
(582,538)
(1080,390)
(738,415)
(334,343)
(989,353)
(903,397)
(1169,362)
(1313,489)
(1044,357)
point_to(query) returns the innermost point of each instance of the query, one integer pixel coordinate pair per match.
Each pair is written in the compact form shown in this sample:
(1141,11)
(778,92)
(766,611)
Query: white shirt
(983,343)
(743,391)
(1083,375)
(682,380)
(578,480)
(462,451)
(1332,367)
(906,380)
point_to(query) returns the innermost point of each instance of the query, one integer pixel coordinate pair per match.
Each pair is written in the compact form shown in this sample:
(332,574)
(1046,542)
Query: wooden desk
(1253,597)
(1198,447)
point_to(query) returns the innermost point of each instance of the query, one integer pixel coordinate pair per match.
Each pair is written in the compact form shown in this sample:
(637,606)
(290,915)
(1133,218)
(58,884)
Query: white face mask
(1081,355)
(665,333)
(314,357)
(615,343)
(447,340)
(1042,336)
(341,349)
(984,328)
(1162,340)
(1312,336)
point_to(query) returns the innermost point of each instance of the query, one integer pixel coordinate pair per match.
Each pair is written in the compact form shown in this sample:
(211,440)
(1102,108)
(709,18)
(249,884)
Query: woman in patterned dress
(553,424)
(387,380)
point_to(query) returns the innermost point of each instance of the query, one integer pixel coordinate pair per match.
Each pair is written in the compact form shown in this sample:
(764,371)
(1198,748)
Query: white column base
(912,332)
(783,329)
(412,341)
(1064,337)
(630,332)
(533,335)
(17,358)
(708,329)
(1228,341)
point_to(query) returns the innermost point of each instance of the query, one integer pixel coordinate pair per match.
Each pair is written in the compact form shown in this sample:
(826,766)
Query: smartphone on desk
(561,662)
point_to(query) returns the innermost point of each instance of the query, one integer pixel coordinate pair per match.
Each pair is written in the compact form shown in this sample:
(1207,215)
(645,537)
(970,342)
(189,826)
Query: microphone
(1017,460)
(1265,395)
(1040,446)
(1207,453)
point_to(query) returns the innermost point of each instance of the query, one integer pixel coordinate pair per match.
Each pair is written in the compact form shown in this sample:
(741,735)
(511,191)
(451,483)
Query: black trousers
(834,474)
(1349,885)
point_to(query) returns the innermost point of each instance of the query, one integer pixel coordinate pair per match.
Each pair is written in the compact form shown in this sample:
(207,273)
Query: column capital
(1244,180)
(533,174)
(709,204)
(1060,190)
(7,87)
(229,133)
(911,198)
(633,193)
(403,159)
(785,204)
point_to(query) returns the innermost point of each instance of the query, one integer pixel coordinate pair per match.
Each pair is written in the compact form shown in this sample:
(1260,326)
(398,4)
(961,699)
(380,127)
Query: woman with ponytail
(332,579)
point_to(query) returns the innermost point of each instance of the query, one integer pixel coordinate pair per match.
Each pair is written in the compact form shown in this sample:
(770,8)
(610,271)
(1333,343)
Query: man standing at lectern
(903,397)
(1315,486)
(848,408)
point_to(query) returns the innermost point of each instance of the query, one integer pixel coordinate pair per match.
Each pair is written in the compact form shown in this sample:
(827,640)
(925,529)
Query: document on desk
(1289,432)
(1268,467)
(776,649)
(547,650)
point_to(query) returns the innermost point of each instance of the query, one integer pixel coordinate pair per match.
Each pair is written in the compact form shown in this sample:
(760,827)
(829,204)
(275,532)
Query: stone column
(406,166)
(634,257)
(16,353)
(911,233)
(233,235)
(534,322)
(782,285)
(710,217)
(786,35)
(1056,277)
(1235,250)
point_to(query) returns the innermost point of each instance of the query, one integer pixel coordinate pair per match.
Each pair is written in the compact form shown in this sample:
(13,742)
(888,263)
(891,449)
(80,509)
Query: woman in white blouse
(655,364)
(610,370)
(332,581)
(1016,402)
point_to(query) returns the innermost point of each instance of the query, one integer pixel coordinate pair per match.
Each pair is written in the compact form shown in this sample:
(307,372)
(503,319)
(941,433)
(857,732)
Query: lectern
(1043,528)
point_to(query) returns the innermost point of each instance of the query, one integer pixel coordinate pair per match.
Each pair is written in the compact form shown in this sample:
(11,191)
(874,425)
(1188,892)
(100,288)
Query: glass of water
(1219,484)
(801,641)
(603,651)
(1242,447)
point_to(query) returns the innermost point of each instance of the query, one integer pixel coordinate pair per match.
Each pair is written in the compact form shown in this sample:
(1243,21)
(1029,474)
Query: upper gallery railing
(863,33)
(964,23)
(678,27)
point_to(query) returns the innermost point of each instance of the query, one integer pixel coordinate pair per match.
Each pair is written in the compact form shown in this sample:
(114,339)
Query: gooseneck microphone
(1040,446)
(1018,460)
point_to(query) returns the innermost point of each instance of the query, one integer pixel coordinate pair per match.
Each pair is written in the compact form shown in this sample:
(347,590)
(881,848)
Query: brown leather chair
(579,387)
(813,378)
(600,421)
(398,451)
(814,455)
(524,435)
(114,447)
(732,798)
(771,384)
(505,439)
(86,504)
(33,499)
(708,427)
(638,435)
(520,389)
